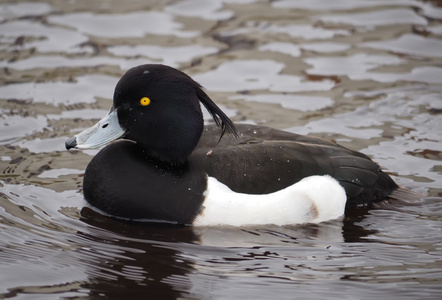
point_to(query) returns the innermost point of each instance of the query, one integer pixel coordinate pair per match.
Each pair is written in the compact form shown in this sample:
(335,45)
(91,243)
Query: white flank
(314,199)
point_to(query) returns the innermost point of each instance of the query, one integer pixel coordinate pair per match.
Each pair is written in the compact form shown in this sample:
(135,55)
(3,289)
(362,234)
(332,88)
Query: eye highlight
(144,101)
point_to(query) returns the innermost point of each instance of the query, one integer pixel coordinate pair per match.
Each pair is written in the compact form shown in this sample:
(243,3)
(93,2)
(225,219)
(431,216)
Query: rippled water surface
(367,74)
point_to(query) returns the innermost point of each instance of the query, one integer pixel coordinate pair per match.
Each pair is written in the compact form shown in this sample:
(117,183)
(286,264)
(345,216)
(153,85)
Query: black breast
(121,181)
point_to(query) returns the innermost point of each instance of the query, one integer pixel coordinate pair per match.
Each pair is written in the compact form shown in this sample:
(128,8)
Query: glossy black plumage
(163,175)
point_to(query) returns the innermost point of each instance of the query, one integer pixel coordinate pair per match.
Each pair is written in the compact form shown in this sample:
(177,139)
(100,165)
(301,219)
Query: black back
(264,160)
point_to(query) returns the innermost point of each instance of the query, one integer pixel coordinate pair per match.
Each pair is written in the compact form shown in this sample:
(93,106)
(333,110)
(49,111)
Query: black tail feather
(404,194)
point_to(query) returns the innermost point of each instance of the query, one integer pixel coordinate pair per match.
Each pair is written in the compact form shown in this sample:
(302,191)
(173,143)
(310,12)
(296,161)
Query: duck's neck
(166,157)
(172,146)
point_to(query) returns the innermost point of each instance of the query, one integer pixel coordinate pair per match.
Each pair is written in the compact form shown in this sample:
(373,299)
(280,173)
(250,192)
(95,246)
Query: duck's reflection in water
(134,260)
(129,261)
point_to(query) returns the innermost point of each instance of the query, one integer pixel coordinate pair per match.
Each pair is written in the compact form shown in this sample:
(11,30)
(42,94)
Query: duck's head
(159,108)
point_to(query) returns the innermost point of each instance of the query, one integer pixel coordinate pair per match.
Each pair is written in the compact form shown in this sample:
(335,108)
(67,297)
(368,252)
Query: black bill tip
(71,143)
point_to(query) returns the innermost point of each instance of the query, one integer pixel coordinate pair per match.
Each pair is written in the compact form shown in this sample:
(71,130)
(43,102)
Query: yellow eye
(145,101)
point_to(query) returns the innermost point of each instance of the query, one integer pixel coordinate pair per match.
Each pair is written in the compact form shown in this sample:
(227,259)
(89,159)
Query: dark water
(367,74)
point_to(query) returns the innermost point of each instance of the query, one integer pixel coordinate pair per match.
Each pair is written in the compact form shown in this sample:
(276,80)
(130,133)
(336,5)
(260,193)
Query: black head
(159,107)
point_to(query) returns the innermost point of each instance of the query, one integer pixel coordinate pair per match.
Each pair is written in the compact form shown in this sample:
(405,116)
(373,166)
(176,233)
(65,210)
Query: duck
(160,163)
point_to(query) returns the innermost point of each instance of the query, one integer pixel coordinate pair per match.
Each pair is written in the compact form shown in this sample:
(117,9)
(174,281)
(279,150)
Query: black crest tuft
(217,114)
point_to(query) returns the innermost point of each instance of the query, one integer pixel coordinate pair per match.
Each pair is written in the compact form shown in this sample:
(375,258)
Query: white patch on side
(314,199)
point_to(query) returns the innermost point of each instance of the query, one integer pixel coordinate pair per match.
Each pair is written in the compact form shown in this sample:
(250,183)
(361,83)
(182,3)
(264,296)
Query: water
(367,74)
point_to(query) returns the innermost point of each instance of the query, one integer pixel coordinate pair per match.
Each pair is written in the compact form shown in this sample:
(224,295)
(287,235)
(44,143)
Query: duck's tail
(406,195)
